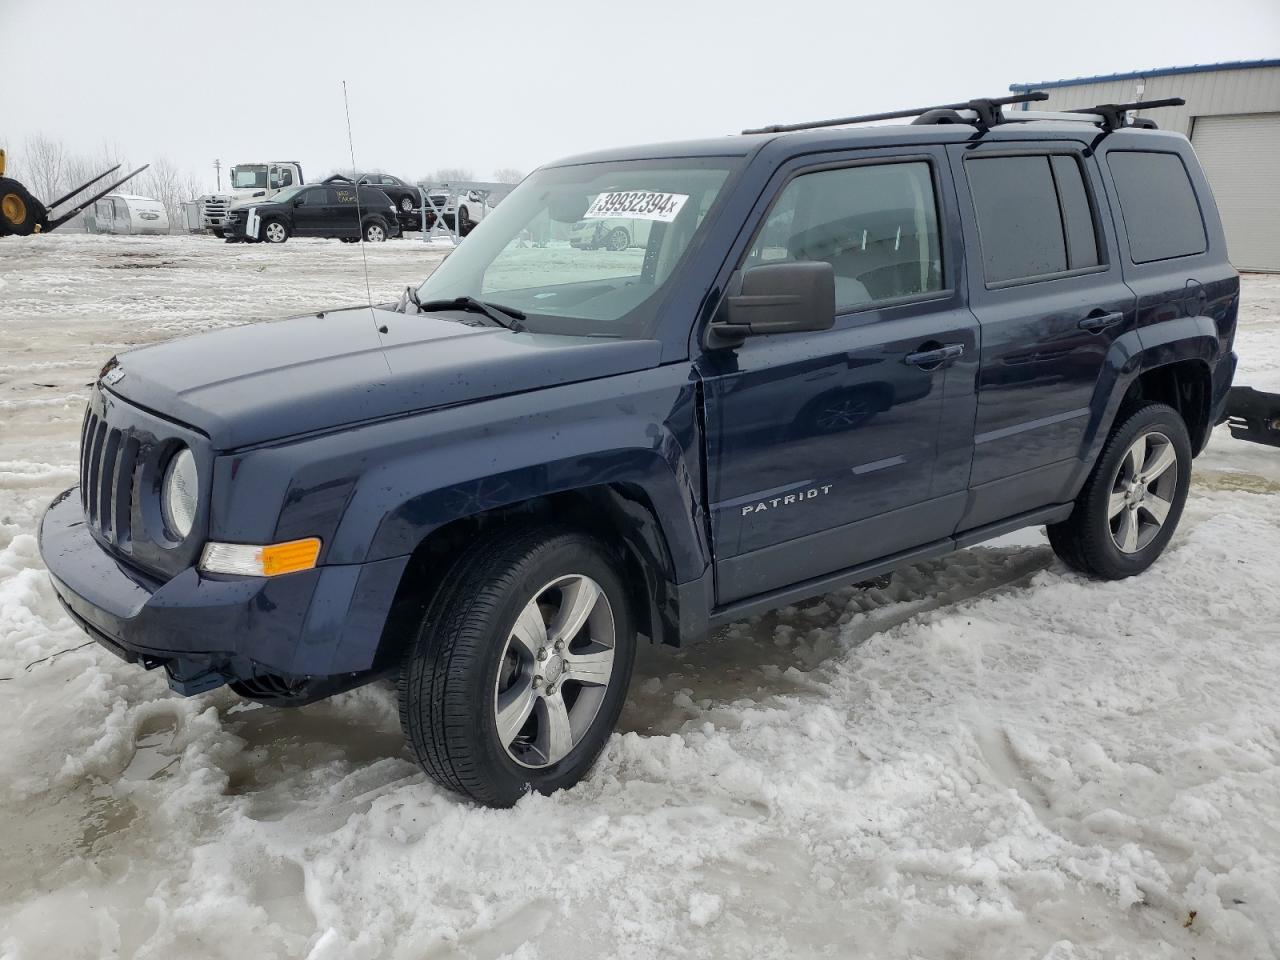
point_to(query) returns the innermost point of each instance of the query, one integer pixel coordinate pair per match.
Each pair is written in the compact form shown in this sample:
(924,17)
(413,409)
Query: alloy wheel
(555,671)
(275,232)
(1142,492)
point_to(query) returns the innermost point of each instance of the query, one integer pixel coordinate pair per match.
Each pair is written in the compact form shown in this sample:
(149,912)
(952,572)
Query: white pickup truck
(249,181)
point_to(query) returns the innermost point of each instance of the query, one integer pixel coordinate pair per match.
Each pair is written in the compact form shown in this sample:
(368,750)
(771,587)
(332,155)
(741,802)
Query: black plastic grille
(108,461)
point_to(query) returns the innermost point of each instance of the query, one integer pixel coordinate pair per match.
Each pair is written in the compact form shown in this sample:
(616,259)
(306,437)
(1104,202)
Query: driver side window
(876,224)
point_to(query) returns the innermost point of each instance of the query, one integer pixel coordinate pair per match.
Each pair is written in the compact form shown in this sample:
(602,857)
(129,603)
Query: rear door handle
(935,357)
(1100,321)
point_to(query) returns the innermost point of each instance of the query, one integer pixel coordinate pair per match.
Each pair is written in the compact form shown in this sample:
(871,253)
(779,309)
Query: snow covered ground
(990,758)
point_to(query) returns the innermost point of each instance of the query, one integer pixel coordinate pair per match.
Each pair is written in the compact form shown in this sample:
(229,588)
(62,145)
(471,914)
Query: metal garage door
(1241,157)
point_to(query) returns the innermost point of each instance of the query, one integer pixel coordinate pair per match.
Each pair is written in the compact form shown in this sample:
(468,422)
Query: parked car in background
(317,210)
(127,213)
(466,207)
(404,195)
(609,234)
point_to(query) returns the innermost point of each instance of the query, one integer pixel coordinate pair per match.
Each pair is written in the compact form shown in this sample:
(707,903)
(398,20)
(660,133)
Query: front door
(310,210)
(830,450)
(1046,286)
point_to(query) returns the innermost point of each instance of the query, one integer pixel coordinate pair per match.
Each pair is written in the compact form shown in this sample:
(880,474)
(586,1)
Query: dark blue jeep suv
(841,350)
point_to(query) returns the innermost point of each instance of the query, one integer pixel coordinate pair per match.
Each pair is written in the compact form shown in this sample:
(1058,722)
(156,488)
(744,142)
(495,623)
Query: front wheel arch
(621,515)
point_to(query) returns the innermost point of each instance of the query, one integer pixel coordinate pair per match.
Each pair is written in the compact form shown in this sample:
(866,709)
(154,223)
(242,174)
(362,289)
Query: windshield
(246,178)
(585,249)
(288,193)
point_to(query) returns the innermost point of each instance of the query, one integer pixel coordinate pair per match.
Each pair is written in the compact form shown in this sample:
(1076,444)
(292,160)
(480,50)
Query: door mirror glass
(788,297)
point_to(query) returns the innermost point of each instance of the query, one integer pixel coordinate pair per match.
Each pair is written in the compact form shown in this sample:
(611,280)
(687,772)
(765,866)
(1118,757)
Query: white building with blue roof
(1232,117)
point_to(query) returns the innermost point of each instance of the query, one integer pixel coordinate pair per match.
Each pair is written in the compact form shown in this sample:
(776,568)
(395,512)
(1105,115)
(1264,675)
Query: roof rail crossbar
(1113,116)
(987,110)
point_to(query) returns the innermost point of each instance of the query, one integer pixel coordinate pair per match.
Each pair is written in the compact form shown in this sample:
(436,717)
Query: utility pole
(217,169)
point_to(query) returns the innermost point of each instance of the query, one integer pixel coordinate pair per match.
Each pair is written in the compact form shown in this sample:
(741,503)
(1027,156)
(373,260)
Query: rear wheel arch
(1185,385)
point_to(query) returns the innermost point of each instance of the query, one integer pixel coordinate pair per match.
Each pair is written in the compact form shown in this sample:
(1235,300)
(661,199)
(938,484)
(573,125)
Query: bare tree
(164,182)
(508,175)
(43,163)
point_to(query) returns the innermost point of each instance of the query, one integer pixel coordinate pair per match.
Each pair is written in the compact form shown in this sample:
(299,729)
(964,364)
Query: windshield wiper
(508,317)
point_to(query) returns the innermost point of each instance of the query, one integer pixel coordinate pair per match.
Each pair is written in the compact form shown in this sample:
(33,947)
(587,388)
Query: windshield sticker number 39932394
(636,205)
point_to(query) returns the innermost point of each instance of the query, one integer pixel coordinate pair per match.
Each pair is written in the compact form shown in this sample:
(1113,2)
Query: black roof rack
(987,109)
(985,113)
(1113,116)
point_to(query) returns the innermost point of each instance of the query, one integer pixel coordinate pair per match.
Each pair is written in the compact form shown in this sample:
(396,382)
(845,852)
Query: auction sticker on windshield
(636,205)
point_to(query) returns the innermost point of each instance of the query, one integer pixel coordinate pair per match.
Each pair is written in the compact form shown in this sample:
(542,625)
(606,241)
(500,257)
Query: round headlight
(179,494)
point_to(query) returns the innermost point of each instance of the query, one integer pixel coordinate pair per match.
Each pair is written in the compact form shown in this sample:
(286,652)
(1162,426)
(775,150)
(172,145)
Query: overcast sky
(515,84)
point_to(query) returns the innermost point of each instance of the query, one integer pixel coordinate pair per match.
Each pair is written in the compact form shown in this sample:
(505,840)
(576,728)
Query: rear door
(343,217)
(833,449)
(1046,285)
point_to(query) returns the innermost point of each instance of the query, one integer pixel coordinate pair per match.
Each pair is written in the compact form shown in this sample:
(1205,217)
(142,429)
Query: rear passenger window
(1034,216)
(1158,204)
(1077,215)
(877,225)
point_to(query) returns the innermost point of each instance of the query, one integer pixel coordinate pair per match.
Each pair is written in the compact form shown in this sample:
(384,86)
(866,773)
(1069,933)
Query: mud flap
(1254,415)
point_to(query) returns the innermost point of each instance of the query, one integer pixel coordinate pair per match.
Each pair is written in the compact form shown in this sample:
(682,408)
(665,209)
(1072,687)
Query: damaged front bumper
(312,632)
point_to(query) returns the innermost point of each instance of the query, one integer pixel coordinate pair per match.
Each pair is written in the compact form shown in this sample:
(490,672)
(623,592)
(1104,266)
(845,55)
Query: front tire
(406,204)
(520,666)
(274,231)
(1131,503)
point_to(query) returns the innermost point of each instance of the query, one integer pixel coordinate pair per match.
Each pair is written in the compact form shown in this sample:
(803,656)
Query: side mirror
(791,297)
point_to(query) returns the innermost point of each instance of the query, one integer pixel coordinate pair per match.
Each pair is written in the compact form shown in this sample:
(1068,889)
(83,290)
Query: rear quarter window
(1158,204)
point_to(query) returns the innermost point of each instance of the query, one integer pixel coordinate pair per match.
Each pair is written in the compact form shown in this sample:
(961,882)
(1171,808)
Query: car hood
(241,204)
(266,381)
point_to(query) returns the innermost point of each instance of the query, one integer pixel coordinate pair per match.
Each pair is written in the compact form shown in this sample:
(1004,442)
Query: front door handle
(934,357)
(1097,320)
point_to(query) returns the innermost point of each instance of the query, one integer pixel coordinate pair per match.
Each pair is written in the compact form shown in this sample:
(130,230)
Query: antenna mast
(359,216)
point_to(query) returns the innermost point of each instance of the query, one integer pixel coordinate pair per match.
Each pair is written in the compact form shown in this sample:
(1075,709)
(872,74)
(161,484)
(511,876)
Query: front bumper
(321,624)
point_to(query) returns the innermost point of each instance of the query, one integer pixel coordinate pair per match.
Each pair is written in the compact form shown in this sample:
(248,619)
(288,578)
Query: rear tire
(20,212)
(505,689)
(375,231)
(1130,506)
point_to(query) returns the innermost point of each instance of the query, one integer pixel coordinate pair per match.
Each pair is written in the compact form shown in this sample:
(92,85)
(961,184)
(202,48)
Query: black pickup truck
(841,349)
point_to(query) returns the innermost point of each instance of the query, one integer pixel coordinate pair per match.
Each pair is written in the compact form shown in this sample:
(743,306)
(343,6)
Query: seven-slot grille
(214,211)
(108,458)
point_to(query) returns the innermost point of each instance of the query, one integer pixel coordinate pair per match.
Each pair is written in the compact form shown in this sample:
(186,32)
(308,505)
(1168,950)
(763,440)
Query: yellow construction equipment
(22,214)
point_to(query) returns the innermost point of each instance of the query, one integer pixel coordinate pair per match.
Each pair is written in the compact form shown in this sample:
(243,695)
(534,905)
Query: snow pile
(991,757)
